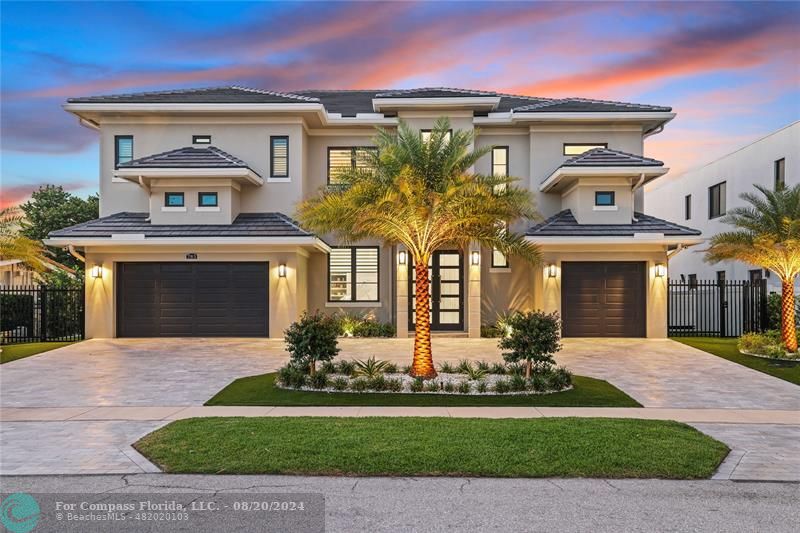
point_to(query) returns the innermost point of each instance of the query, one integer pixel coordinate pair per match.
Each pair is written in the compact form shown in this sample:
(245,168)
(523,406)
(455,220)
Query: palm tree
(423,195)
(15,246)
(767,236)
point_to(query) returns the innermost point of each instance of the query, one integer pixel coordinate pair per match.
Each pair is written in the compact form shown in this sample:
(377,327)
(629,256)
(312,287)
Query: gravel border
(768,358)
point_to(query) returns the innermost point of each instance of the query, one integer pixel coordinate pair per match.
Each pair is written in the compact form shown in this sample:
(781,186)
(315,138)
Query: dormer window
(173,199)
(207,199)
(604,198)
(579,148)
(201,139)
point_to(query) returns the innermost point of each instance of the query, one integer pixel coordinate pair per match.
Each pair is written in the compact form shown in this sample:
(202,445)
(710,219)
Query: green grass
(12,352)
(726,348)
(260,390)
(381,446)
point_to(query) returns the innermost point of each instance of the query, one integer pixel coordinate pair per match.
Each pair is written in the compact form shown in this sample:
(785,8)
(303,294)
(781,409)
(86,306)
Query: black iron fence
(37,314)
(716,308)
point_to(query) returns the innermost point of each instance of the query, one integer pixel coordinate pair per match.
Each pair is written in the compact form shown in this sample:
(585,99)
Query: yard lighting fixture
(551,270)
(402,257)
(97,271)
(661,270)
(475,258)
(282,270)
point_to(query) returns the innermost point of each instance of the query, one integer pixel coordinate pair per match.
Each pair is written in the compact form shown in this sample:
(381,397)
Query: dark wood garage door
(603,299)
(192,300)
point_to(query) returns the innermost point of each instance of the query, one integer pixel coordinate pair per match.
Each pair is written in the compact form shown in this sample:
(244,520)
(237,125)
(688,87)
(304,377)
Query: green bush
(502,386)
(768,344)
(540,382)
(499,369)
(489,332)
(482,365)
(449,387)
(390,368)
(464,387)
(292,376)
(17,312)
(394,385)
(340,384)
(319,380)
(518,383)
(371,368)
(346,367)
(362,325)
(377,383)
(431,386)
(533,340)
(482,386)
(359,385)
(561,378)
(447,368)
(328,367)
(418,385)
(311,339)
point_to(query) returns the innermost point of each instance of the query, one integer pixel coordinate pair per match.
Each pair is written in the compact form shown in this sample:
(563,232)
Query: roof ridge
(422,89)
(222,153)
(545,103)
(614,102)
(291,221)
(275,93)
(150,93)
(641,215)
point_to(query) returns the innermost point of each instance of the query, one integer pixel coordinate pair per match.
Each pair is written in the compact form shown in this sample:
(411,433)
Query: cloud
(16,194)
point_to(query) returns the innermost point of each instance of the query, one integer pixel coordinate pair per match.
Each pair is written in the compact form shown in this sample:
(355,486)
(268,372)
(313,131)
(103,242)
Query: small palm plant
(371,368)
(15,246)
(767,235)
(423,195)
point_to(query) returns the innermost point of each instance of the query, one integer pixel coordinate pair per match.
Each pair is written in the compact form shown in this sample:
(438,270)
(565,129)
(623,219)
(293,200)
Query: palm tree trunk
(422,365)
(788,330)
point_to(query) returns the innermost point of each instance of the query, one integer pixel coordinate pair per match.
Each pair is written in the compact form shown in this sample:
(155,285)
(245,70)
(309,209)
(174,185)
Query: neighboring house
(197,189)
(14,273)
(701,197)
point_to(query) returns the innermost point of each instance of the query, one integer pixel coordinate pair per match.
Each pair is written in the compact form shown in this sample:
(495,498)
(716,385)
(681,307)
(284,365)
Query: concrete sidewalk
(168,413)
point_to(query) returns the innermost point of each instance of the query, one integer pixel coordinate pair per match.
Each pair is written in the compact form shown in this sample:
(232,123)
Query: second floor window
(687,207)
(579,148)
(499,165)
(499,259)
(173,199)
(201,139)
(780,173)
(716,200)
(353,274)
(123,149)
(279,156)
(426,135)
(207,199)
(604,198)
(343,159)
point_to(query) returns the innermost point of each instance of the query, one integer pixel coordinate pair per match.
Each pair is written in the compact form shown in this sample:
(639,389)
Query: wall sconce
(281,270)
(551,270)
(402,257)
(661,270)
(97,271)
(475,258)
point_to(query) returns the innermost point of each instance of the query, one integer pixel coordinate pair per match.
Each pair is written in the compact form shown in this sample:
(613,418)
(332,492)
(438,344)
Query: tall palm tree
(15,246)
(767,235)
(423,195)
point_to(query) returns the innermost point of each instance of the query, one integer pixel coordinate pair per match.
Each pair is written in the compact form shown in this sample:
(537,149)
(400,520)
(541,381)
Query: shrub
(540,382)
(502,386)
(394,385)
(292,376)
(431,386)
(17,312)
(371,368)
(505,323)
(489,332)
(464,387)
(475,373)
(370,328)
(498,368)
(518,383)
(328,367)
(561,378)
(347,323)
(418,385)
(319,380)
(359,385)
(482,365)
(340,384)
(533,340)
(463,366)
(449,387)
(515,370)
(447,368)
(406,369)
(390,368)
(482,387)
(378,383)
(312,339)
(768,343)
(346,367)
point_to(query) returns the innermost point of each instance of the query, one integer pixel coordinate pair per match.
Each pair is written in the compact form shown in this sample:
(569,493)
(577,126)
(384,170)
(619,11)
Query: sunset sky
(730,70)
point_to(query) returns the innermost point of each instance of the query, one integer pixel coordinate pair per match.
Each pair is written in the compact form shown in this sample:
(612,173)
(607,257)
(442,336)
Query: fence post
(764,311)
(82,307)
(43,312)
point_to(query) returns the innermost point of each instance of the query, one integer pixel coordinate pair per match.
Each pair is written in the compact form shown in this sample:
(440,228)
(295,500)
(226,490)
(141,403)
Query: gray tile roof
(605,157)
(245,225)
(563,224)
(188,157)
(208,95)
(350,102)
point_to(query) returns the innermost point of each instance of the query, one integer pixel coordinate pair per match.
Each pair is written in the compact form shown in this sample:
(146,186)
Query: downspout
(674,252)
(147,190)
(88,124)
(633,190)
(654,131)
(75,254)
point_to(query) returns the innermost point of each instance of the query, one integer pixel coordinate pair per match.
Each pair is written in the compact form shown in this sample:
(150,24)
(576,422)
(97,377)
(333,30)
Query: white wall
(752,164)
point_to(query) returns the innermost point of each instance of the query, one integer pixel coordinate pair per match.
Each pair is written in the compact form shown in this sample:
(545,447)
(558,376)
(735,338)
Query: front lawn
(260,390)
(12,352)
(726,348)
(380,446)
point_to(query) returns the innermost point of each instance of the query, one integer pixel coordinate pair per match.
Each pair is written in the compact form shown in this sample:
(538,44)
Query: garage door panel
(603,299)
(192,299)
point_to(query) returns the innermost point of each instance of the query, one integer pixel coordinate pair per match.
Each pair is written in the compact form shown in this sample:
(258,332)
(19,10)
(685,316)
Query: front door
(447,291)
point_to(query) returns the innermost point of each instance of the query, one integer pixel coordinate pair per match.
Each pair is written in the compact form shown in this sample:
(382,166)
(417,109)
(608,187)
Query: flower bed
(465,379)
(767,345)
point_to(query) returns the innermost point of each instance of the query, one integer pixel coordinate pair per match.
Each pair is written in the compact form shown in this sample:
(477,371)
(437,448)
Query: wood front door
(446,271)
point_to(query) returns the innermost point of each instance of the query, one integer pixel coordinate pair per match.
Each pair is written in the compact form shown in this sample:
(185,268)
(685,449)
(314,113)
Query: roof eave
(139,240)
(636,240)
(238,173)
(558,175)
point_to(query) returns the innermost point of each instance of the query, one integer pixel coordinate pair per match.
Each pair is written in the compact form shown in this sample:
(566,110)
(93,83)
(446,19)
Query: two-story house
(198,187)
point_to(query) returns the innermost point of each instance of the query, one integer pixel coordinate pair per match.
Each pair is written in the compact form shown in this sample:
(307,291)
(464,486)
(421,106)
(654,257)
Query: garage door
(603,299)
(192,300)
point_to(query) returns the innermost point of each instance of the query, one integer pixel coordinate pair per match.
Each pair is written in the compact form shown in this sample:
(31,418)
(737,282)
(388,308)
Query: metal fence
(716,308)
(36,314)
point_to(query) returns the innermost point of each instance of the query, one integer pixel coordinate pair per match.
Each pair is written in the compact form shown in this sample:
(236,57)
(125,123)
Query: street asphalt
(461,504)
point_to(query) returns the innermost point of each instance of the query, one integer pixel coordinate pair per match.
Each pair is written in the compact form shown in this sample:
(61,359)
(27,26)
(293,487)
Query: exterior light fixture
(551,270)
(475,258)
(661,270)
(282,270)
(402,257)
(97,271)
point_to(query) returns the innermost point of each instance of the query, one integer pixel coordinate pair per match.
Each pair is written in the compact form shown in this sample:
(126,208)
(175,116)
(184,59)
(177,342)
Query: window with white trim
(716,200)
(345,158)
(279,156)
(499,259)
(580,148)
(353,274)
(123,149)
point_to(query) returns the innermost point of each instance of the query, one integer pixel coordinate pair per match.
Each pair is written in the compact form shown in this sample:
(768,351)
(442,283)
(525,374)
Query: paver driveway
(166,372)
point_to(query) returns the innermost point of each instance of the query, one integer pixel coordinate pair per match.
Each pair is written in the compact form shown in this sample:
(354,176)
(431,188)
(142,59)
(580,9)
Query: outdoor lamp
(97,271)
(475,257)
(282,270)
(551,270)
(402,257)
(661,270)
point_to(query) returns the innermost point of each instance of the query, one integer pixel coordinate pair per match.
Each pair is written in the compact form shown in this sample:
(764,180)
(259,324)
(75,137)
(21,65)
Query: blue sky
(731,70)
